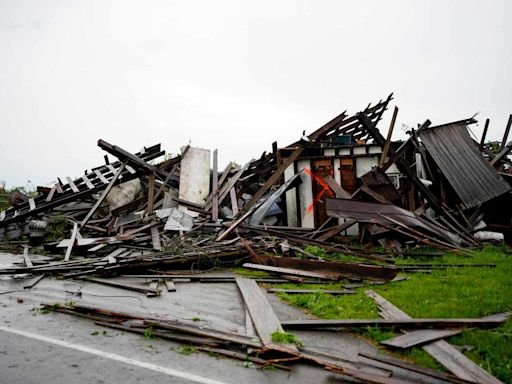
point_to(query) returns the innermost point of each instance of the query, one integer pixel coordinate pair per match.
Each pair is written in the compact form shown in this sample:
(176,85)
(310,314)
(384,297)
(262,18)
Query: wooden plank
(263,317)
(234,201)
(87,182)
(71,242)
(215,188)
(49,197)
(289,271)
(421,336)
(336,229)
(484,134)
(378,197)
(336,188)
(400,323)
(388,138)
(154,287)
(386,359)
(101,177)
(205,332)
(151,193)
(155,239)
(447,355)
(72,185)
(129,287)
(505,134)
(274,178)
(58,186)
(130,169)
(111,168)
(103,195)
(302,291)
(32,283)
(26,257)
(170,286)
(31,204)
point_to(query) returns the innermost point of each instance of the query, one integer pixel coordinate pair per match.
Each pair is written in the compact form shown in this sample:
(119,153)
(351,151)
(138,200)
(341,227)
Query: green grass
(455,292)
(286,338)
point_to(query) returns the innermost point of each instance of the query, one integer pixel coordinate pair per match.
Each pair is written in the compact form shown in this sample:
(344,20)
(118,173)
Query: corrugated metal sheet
(473,179)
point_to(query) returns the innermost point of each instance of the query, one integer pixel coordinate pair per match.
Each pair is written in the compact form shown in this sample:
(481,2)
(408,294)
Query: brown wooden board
(400,323)
(421,336)
(302,291)
(263,317)
(290,271)
(447,355)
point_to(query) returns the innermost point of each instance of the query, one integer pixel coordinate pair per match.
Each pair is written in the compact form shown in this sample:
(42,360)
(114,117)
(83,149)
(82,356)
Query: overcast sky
(235,75)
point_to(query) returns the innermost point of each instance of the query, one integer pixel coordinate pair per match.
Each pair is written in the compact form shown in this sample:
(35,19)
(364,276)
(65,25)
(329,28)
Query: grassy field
(454,292)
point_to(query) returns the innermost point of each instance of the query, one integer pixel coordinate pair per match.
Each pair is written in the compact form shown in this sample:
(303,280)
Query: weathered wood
(505,134)
(302,291)
(151,193)
(49,197)
(129,287)
(100,176)
(386,359)
(163,335)
(205,332)
(170,286)
(421,336)
(336,188)
(153,286)
(447,355)
(336,229)
(263,317)
(32,283)
(215,187)
(400,323)
(388,138)
(484,134)
(234,202)
(289,271)
(103,195)
(72,185)
(71,241)
(155,238)
(273,179)
(87,182)
(26,258)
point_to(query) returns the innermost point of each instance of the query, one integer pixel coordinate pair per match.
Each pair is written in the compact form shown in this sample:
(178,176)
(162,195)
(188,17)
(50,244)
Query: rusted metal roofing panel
(473,179)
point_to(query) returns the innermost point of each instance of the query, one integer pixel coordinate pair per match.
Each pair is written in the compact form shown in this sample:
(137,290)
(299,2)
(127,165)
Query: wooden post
(484,134)
(215,188)
(505,135)
(388,139)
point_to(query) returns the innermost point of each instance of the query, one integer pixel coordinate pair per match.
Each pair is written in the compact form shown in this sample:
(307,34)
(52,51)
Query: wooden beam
(103,195)
(234,201)
(289,271)
(26,258)
(505,134)
(388,139)
(151,192)
(421,336)
(215,188)
(484,134)
(71,242)
(262,314)
(444,353)
(336,188)
(72,185)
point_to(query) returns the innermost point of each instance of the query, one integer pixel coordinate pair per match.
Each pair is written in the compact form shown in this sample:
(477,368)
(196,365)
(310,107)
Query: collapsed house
(342,184)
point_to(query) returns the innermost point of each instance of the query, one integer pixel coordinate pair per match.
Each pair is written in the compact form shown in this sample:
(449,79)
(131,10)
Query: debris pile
(343,188)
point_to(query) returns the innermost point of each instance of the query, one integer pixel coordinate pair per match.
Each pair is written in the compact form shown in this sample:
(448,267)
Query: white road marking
(113,356)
